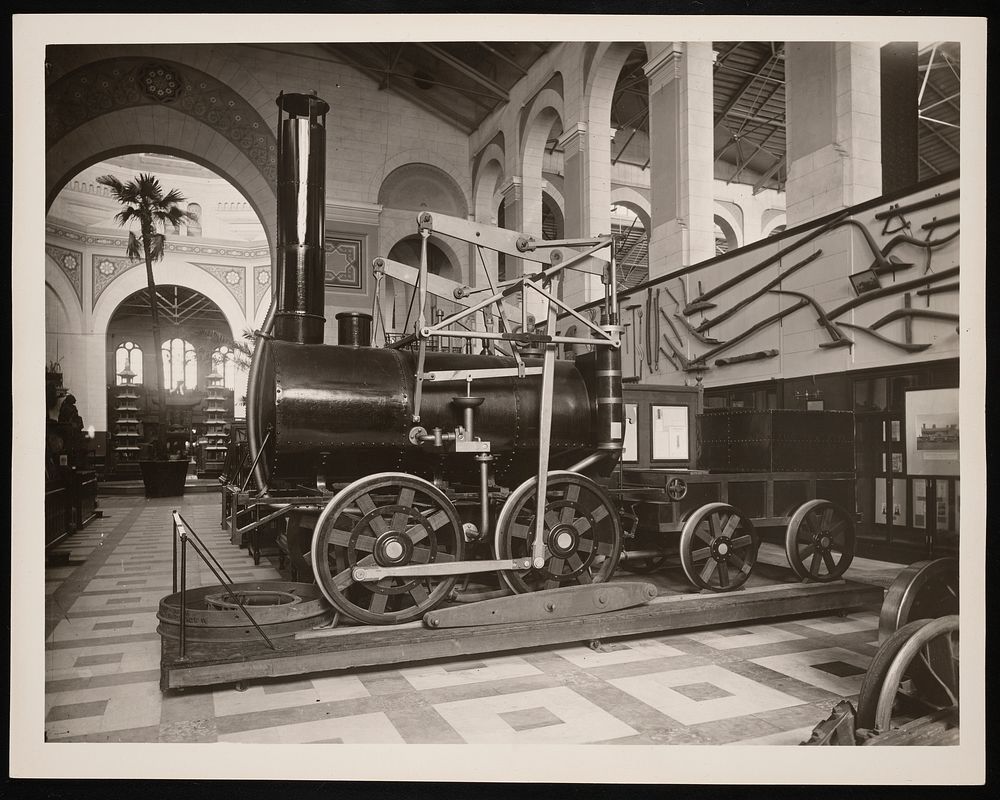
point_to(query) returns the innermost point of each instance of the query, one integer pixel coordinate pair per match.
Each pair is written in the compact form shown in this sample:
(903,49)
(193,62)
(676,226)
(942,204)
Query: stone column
(587,193)
(832,98)
(681,152)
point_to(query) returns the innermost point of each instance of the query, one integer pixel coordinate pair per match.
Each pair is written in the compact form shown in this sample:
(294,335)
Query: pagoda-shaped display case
(218,418)
(127,435)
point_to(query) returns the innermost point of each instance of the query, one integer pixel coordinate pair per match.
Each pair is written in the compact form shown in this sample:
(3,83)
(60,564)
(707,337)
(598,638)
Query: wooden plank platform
(363,646)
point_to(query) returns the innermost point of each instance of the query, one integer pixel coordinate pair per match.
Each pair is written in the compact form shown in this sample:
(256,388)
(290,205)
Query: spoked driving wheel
(582,533)
(822,534)
(914,673)
(718,547)
(386,520)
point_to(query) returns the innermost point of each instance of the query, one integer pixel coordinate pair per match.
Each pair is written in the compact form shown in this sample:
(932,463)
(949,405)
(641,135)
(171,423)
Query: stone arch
(731,226)
(423,157)
(771,225)
(101,109)
(634,201)
(545,106)
(181,274)
(76,151)
(423,187)
(60,305)
(602,76)
(553,198)
(489,175)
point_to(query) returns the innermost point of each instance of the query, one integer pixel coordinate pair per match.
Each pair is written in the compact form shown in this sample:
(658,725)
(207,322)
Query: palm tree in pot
(147,209)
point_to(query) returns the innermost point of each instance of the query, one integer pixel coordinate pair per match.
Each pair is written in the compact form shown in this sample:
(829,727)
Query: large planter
(163,478)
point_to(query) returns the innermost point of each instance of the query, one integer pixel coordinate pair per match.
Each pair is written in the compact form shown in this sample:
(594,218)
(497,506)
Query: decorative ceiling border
(71,263)
(172,246)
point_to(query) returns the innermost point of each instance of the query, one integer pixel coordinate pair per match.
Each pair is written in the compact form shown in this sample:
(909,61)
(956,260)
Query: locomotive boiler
(422,464)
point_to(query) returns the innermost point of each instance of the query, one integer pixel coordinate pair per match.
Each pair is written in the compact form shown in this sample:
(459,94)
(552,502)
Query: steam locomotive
(432,466)
(424,474)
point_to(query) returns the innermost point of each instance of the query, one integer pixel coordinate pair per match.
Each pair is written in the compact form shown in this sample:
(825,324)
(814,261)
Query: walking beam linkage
(554,258)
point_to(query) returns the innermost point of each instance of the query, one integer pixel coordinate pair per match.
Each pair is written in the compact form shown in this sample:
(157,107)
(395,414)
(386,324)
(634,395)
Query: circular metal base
(209,617)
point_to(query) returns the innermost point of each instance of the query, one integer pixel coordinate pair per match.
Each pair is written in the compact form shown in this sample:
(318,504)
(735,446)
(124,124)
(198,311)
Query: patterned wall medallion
(343,264)
(71,263)
(160,82)
(261,284)
(230,277)
(105,269)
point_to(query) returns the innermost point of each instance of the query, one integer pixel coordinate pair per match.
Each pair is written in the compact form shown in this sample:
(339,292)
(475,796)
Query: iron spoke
(417,533)
(418,593)
(344,579)
(581,525)
(731,524)
(379,599)
(827,518)
(701,553)
(830,563)
(814,565)
(367,505)
(741,541)
(710,566)
(437,519)
(723,574)
(702,534)
(519,531)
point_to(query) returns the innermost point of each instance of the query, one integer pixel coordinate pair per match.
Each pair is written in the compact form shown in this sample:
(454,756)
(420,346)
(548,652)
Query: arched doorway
(197,347)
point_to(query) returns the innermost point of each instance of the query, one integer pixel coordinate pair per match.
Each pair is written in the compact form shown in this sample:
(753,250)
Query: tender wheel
(914,672)
(583,534)
(388,519)
(924,590)
(821,533)
(718,547)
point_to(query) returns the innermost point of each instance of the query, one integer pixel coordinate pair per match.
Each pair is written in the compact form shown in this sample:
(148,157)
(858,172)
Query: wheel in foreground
(581,529)
(819,541)
(924,590)
(389,519)
(718,547)
(914,673)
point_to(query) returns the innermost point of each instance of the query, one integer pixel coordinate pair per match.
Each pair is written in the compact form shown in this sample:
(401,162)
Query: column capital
(512,188)
(574,137)
(665,66)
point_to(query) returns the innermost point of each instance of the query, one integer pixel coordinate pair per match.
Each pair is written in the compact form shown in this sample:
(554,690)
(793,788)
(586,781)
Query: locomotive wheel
(718,547)
(823,533)
(914,672)
(583,534)
(388,519)
(924,590)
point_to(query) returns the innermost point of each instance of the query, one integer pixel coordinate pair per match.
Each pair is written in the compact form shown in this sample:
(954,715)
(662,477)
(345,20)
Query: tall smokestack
(301,218)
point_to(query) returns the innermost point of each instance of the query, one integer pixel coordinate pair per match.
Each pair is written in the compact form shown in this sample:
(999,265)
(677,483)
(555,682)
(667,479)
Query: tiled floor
(761,684)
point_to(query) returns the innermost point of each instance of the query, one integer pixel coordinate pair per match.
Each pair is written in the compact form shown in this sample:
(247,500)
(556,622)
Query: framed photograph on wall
(932,441)
(344,263)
